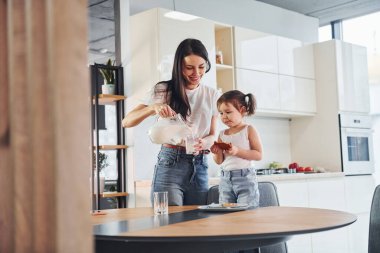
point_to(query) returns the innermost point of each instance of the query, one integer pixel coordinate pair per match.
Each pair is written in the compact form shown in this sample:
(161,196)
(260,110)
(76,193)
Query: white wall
(244,13)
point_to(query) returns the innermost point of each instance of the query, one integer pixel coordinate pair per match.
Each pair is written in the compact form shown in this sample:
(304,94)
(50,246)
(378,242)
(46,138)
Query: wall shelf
(225,73)
(114,194)
(107,99)
(112,116)
(223,66)
(112,147)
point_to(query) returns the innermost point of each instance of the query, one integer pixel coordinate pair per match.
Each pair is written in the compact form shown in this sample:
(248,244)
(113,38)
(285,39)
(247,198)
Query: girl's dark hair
(178,100)
(238,99)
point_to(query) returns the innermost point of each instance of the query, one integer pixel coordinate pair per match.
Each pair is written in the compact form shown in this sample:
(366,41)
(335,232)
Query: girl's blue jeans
(239,186)
(183,176)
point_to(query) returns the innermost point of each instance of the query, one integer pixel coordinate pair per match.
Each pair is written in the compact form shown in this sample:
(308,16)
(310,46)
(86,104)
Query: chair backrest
(213,195)
(268,197)
(268,194)
(374,223)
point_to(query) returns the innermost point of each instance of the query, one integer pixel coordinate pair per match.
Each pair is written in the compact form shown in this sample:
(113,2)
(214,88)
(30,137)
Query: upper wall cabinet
(297,94)
(278,71)
(342,73)
(294,59)
(255,50)
(354,86)
(264,86)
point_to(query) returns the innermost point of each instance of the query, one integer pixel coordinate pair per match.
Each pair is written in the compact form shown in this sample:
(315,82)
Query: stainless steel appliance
(356,144)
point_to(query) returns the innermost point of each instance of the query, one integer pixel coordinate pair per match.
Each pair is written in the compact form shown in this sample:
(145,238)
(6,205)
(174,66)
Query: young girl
(238,183)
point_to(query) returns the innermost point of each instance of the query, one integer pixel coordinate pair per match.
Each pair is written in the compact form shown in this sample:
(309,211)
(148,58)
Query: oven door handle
(357,130)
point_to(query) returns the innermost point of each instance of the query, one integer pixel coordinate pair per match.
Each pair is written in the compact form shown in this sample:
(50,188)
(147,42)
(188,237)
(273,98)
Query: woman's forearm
(137,115)
(208,141)
(210,138)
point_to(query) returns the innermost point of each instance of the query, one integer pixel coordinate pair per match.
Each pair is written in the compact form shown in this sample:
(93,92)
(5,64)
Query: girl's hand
(164,110)
(216,150)
(233,150)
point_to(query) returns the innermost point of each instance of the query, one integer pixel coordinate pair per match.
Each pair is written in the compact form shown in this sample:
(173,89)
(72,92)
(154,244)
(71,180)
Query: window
(325,33)
(365,31)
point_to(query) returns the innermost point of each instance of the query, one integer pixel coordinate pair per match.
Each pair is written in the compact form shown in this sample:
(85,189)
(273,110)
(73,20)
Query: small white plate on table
(220,208)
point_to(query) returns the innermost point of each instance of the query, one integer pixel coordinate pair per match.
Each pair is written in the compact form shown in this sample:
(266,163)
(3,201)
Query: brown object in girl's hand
(223,145)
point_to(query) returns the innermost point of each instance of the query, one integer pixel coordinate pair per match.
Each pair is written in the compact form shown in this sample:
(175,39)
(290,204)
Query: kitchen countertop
(261,178)
(287,177)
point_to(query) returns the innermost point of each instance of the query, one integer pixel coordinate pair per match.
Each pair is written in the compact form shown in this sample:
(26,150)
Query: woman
(183,175)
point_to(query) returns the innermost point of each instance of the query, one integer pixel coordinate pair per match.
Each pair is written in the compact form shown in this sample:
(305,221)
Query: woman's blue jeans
(183,176)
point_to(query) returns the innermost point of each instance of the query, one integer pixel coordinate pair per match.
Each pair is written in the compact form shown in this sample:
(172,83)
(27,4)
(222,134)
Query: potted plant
(109,78)
(102,158)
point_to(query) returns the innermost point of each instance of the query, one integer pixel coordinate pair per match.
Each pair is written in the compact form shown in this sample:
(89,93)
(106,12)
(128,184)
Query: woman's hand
(200,144)
(164,110)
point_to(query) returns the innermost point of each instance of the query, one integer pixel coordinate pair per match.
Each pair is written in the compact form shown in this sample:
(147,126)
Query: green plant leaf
(108,74)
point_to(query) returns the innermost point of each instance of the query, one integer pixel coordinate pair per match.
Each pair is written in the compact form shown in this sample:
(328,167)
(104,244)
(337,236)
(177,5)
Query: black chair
(268,197)
(374,223)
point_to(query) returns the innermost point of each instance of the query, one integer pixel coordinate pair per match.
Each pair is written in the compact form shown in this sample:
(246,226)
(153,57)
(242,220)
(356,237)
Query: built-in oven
(356,144)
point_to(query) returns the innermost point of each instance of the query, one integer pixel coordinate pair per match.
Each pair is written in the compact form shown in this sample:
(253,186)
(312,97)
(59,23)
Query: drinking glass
(160,203)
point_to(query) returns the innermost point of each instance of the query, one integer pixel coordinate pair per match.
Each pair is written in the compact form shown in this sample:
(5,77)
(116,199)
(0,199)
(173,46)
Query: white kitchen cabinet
(359,192)
(333,241)
(341,70)
(350,193)
(255,50)
(293,193)
(278,93)
(295,59)
(317,193)
(297,94)
(304,61)
(327,193)
(264,86)
(358,234)
(286,61)
(260,57)
(354,86)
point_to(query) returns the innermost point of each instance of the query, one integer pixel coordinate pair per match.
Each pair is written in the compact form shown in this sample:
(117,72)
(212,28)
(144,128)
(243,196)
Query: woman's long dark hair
(178,100)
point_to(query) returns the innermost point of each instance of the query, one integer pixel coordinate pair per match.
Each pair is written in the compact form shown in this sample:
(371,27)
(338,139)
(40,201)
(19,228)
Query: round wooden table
(187,229)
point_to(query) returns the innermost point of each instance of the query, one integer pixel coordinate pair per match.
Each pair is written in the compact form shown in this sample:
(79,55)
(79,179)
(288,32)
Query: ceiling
(101,27)
(328,10)
(102,30)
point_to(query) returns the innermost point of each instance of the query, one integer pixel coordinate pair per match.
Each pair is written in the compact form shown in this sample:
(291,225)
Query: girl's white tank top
(239,139)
